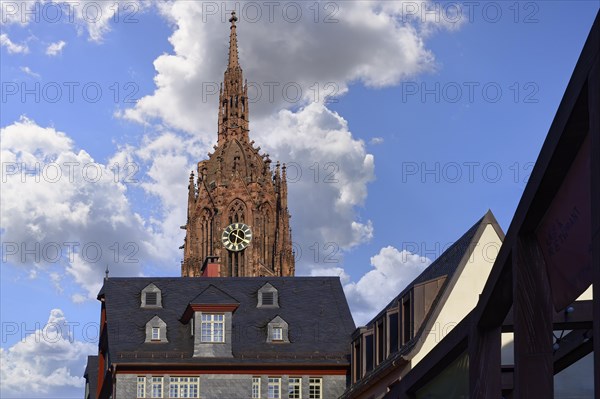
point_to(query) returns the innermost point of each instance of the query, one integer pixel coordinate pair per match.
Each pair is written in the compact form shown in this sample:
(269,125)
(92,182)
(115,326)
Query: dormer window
(151,297)
(268,297)
(277,330)
(277,334)
(156,330)
(212,328)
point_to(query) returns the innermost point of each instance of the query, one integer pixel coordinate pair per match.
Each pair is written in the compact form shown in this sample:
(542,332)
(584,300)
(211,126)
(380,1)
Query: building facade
(237,217)
(218,338)
(414,322)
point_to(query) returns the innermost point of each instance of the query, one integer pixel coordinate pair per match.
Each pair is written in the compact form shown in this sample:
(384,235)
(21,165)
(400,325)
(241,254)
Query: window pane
(369,352)
(141,387)
(157,387)
(315,388)
(295,388)
(256,388)
(274,388)
(184,387)
(212,328)
(393,329)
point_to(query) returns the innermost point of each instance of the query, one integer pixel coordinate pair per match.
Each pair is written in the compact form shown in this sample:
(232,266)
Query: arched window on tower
(266,235)
(237,212)
(206,234)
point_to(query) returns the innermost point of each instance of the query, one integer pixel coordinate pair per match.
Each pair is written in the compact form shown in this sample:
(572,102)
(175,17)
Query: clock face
(236,236)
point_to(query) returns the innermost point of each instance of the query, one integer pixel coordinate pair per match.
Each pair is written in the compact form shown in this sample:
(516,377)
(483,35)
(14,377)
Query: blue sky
(437,118)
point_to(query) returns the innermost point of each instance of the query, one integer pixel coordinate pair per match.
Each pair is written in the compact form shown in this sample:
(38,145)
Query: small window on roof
(277,330)
(156,330)
(268,297)
(151,297)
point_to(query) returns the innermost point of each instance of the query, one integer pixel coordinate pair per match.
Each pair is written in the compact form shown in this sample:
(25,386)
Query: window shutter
(268,298)
(151,298)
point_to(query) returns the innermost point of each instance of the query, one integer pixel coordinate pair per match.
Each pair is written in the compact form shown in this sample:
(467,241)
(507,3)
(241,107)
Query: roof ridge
(216,288)
(488,218)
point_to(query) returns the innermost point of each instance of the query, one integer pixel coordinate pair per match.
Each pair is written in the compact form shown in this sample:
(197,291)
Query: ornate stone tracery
(237,185)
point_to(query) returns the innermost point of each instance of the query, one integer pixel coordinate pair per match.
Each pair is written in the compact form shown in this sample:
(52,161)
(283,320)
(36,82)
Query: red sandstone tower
(238,218)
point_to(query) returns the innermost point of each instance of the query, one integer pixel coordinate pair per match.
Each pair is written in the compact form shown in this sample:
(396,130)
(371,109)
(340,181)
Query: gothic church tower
(237,216)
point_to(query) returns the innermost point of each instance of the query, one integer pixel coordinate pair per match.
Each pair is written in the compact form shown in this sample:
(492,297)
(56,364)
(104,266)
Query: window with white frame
(315,388)
(274,388)
(277,334)
(156,330)
(295,388)
(277,331)
(212,328)
(141,387)
(255,387)
(184,387)
(192,326)
(157,387)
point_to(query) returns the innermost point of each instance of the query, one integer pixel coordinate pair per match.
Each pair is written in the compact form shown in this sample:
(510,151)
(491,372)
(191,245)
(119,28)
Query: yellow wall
(465,293)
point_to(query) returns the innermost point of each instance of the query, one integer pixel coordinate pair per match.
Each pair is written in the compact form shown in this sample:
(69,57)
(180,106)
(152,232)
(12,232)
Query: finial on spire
(233,50)
(233,18)
(106,272)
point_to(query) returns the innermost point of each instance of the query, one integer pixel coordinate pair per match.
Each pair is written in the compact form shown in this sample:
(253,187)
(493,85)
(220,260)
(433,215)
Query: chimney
(211,267)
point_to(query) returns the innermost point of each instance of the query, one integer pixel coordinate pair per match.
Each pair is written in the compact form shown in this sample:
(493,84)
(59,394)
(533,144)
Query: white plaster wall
(465,294)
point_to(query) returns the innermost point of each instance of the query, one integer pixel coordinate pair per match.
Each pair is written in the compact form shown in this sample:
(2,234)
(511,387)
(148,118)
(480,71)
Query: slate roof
(446,264)
(315,309)
(91,374)
(213,296)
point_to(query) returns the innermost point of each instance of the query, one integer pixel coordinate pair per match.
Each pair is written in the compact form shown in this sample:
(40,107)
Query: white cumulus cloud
(92,16)
(293,69)
(392,271)
(67,210)
(27,71)
(56,48)
(12,48)
(46,363)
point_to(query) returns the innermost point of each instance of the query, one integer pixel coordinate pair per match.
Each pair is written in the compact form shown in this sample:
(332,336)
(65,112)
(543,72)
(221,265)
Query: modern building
(222,338)
(424,312)
(534,330)
(238,223)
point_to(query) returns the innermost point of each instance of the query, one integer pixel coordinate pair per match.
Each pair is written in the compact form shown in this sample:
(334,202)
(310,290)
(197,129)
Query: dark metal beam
(485,374)
(532,307)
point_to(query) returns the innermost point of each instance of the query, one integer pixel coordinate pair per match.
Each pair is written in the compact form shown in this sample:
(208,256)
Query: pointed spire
(233,48)
(233,96)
